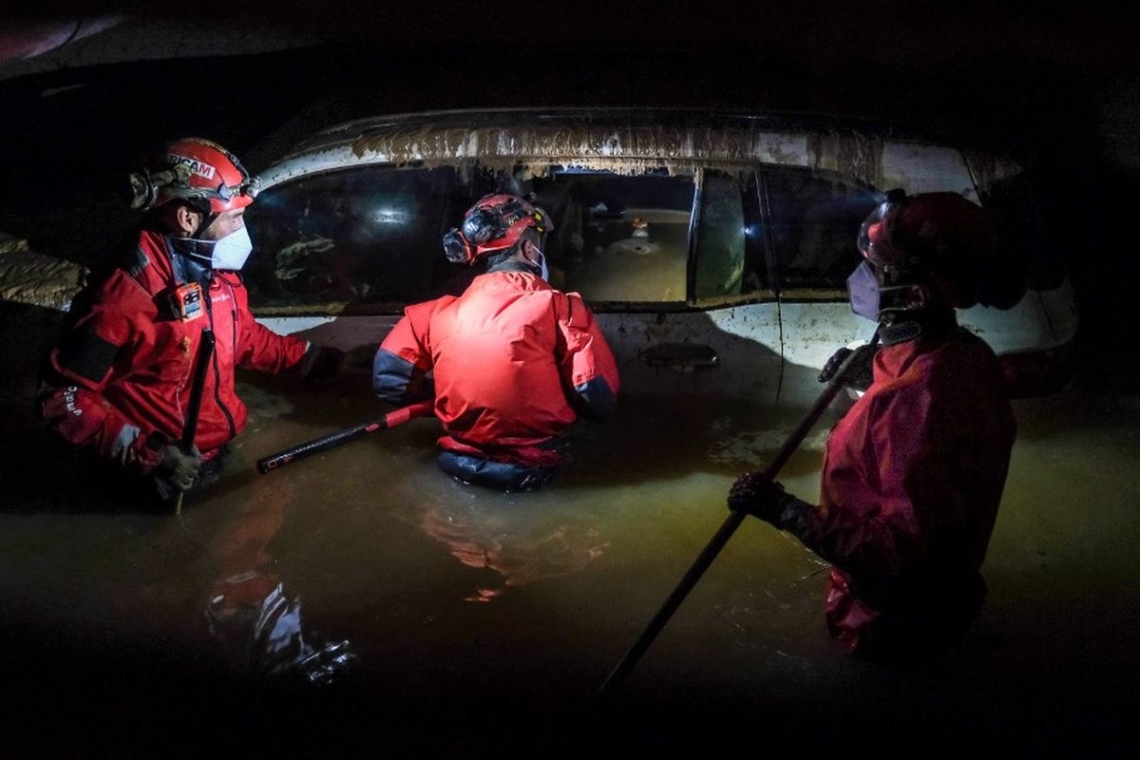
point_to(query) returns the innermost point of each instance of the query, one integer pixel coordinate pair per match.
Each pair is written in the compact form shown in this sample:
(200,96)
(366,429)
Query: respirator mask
(870,300)
(231,251)
(228,253)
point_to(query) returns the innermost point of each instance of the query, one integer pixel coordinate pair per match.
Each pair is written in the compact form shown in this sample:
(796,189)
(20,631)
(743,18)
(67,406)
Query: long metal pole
(713,548)
(341,437)
(201,366)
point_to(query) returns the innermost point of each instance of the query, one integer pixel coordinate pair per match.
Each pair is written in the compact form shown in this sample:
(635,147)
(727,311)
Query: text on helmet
(201,168)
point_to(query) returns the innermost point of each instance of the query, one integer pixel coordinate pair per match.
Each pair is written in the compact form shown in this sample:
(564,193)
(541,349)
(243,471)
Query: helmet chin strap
(195,251)
(207,219)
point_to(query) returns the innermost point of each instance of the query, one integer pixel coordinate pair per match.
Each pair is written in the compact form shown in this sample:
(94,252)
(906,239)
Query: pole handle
(193,410)
(341,437)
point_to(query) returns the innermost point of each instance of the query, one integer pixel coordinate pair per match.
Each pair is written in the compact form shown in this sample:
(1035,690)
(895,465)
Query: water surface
(361,601)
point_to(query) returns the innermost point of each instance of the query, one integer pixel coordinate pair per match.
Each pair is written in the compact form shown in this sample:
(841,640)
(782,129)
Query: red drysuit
(912,480)
(124,370)
(503,358)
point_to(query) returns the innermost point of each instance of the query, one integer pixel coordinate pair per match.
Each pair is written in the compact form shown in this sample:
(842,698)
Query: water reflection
(257,620)
(260,626)
(510,539)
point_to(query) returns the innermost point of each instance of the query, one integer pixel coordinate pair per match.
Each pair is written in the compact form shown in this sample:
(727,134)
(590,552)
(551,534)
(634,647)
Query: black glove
(178,468)
(859,374)
(320,362)
(759,496)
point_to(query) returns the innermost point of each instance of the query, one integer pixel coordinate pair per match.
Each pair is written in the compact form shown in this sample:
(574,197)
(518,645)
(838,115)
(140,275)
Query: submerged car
(713,247)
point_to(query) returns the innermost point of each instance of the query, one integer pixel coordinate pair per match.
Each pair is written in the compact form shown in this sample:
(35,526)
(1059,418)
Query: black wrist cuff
(793,511)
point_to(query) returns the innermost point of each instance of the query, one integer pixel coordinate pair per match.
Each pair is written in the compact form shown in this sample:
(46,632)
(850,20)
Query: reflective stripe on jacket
(512,363)
(125,368)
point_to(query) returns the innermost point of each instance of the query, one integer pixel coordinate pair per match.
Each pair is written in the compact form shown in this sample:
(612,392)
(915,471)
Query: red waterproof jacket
(912,479)
(123,373)
(513,362)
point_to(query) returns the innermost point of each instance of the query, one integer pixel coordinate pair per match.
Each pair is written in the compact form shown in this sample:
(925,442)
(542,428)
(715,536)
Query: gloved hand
(759,496)
(178,468)
(859,373)
(320,362)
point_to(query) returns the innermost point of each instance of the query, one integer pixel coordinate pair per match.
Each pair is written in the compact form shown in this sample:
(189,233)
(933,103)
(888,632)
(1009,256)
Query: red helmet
(940,239)
(198,171)
(494,223)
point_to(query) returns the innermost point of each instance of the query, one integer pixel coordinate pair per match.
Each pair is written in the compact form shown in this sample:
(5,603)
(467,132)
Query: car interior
(369,237)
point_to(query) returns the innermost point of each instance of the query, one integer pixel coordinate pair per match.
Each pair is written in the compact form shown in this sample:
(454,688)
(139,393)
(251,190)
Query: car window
(730,254)
(814,220)
(618,237)
(365,236)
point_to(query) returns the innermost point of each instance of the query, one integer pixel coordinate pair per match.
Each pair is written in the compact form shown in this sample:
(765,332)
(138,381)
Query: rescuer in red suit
(913,473)
(511,363)
(118,383)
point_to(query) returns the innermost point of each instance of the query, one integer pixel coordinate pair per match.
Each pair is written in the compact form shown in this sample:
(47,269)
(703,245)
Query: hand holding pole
(713,548)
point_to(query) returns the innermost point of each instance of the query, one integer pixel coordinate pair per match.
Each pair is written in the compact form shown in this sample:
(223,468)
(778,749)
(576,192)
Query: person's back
(495,356)
(511,362)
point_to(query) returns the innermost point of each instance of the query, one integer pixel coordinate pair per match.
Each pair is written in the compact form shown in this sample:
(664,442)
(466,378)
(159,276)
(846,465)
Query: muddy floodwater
(361,604)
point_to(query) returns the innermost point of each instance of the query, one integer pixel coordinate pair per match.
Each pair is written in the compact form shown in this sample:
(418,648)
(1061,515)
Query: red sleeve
(874,473)
(410,339)
(402,362)
(86,420)
(587,354)
(91,357)
(917,476)
(261,349)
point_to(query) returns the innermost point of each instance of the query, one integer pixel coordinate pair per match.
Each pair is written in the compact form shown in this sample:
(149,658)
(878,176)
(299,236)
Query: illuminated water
(482,624)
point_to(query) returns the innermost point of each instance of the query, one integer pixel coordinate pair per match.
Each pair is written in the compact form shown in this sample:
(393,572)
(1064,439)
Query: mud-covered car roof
(613,139)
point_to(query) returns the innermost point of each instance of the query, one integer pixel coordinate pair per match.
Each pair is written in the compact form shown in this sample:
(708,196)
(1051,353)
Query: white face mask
(231,251)
(545,273)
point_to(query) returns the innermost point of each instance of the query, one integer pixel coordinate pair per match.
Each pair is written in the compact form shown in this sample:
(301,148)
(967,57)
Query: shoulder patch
(87,355)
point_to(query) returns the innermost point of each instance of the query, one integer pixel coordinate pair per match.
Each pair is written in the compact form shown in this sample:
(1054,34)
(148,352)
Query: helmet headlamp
(494,223)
